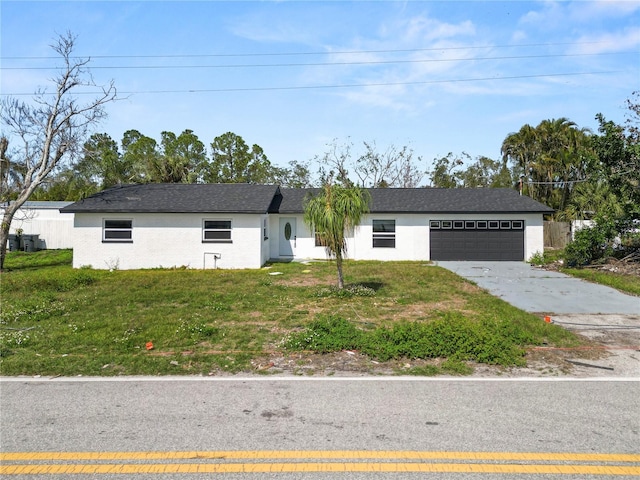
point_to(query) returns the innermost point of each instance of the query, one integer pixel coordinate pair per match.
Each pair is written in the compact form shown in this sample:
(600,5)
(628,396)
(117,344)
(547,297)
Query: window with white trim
(216,231)
(117,230)
(384,234)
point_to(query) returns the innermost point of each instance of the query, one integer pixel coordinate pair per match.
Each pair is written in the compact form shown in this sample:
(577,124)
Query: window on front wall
(216,231)
(384,234)
(318,240)
(117,230)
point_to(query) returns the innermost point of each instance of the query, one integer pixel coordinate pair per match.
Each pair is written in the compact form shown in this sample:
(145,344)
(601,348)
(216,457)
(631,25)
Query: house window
(434,224)
(318,240)
(264,229)
(384,234)
(505,224)
(117,231)
(517,224)
(216,231)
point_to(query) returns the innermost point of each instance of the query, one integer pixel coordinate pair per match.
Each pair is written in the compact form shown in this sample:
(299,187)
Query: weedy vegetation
(56,320)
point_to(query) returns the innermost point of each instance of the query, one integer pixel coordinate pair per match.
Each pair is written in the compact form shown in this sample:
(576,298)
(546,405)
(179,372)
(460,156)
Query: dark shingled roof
(246,198)
(430,200)
(179,198)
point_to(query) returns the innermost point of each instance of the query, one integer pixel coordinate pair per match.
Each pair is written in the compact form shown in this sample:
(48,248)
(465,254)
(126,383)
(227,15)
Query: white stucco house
(245,226)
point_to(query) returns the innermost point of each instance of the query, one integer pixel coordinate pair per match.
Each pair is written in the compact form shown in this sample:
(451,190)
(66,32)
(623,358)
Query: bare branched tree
(50,130)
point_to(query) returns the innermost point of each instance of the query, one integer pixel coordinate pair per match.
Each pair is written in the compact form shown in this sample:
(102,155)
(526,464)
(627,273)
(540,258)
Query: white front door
(287,237)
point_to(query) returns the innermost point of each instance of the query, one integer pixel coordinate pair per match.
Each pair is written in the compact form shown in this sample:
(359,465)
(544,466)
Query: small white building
(54,229)
(244,226)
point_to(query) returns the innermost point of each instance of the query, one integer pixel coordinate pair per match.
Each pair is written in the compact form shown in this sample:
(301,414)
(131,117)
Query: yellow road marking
(317,467)
(275,461)
(321,454)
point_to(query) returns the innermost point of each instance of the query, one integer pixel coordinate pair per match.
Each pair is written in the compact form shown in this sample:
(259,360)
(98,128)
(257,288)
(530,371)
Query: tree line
(46,153)
(571,169)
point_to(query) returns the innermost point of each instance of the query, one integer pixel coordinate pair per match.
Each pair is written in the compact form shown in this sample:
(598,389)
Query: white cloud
(586,11)
(618,41)
(551,14)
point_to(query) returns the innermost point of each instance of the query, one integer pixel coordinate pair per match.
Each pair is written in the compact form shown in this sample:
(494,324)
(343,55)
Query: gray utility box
(30,243)
(15,242)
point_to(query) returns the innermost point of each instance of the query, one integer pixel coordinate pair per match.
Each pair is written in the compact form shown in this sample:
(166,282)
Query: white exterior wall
(412,236)
(175,240)
(167,240)
(533,235)
(579,225)
(55,229)
(305,243)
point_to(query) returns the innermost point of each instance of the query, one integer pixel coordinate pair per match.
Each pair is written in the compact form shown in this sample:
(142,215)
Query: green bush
(607,238)
(324,335)
(452,336)
(589,244)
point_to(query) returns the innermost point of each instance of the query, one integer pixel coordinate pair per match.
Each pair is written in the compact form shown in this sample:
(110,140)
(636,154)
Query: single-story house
(244,226)
(54,230)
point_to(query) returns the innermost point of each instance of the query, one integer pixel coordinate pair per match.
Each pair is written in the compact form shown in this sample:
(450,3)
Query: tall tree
(550,158)
(182,159)
(619,154)
(102,163)
(297,175)
(445,171)
(331,214)
(393,167)
(51,129)
(463,172)
(141,153)
(233,162)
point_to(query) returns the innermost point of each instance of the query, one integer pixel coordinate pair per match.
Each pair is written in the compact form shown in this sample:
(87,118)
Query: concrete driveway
(540,291)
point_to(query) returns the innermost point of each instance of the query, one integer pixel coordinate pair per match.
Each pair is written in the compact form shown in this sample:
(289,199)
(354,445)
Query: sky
(295,77)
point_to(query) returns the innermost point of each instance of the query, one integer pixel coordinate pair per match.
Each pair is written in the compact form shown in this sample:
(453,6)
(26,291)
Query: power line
(344,52)
(353,85)
(371,62)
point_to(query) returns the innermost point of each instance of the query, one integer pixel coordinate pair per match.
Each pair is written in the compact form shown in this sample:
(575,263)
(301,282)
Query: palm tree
(522,149)
(552,157)
(332,214)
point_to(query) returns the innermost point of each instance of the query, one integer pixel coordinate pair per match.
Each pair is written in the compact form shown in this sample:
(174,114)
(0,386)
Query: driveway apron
(540,291)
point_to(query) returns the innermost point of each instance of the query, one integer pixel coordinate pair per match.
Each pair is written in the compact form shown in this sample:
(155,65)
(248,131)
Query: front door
(287,237)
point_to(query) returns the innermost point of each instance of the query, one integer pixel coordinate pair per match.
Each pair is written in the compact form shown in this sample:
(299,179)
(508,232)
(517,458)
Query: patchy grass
(56,320)
(624,282)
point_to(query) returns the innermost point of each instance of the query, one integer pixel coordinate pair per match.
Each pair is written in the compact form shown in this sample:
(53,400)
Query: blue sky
(293,77)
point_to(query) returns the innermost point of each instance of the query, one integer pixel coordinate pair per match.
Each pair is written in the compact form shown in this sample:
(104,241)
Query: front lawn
(59,321)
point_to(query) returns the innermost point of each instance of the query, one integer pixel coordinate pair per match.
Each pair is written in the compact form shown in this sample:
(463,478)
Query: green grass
(625,283)
(620,281)
(56,320)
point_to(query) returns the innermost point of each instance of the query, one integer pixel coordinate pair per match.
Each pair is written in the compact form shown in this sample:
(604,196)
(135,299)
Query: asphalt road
(284,424)
(541,291)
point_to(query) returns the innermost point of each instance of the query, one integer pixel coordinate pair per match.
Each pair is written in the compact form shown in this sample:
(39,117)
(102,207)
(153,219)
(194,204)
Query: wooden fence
(556,234)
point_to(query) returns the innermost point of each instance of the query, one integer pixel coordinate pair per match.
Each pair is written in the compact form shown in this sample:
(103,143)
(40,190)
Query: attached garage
(490,240)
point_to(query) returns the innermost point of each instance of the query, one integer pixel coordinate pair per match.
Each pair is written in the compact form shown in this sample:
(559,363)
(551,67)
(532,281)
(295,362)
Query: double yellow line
(293,461)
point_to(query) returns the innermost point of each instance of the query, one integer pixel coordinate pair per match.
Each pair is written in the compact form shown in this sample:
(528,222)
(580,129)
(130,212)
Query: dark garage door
(477,240)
